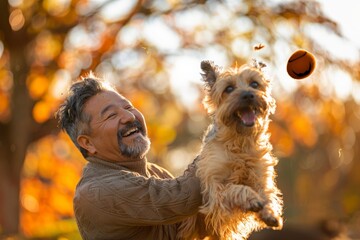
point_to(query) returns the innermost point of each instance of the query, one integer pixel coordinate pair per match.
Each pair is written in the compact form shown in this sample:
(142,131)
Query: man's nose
(127,116)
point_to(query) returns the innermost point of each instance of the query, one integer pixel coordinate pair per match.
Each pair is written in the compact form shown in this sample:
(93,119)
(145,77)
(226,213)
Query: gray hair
(70,115)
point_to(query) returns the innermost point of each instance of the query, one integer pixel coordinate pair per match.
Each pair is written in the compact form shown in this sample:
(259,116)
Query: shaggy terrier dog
(235,165)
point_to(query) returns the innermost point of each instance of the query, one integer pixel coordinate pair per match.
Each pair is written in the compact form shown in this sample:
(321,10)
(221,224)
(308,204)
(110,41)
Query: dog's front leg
(243,197)
(272,211)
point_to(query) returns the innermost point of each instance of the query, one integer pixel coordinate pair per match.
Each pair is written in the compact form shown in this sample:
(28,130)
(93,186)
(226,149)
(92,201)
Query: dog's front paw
(270,219)
(254,205)
(247,199)
(273,222)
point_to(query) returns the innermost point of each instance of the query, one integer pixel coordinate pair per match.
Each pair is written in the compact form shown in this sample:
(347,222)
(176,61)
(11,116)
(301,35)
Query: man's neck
(138,165)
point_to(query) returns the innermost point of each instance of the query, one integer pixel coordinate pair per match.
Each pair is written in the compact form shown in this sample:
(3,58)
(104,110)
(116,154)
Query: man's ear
(85,142)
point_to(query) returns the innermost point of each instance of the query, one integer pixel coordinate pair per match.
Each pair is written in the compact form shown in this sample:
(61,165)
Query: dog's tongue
(248,117)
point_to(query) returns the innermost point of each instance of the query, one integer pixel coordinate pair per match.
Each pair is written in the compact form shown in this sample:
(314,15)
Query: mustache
(127,127)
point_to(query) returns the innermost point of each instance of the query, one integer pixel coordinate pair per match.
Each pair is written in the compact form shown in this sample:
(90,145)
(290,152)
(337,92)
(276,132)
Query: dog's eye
(229,89)
(254,84)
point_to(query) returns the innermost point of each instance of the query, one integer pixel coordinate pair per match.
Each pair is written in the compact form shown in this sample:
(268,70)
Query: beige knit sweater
(133,200)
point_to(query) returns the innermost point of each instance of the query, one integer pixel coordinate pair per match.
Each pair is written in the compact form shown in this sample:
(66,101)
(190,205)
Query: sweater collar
(139,166)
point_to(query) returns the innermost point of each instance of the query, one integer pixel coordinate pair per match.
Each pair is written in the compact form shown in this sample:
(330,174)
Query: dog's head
(239,98)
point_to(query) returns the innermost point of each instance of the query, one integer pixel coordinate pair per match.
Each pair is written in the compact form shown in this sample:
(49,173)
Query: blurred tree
(138,45)
(42,46)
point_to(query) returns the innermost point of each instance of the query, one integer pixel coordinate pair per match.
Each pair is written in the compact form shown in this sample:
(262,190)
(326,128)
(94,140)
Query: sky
(346,13)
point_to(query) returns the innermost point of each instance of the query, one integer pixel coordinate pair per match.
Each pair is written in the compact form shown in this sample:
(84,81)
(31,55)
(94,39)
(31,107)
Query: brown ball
(301,64)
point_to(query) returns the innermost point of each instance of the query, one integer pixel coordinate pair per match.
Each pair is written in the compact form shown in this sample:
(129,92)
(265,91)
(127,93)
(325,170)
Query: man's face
(117,129)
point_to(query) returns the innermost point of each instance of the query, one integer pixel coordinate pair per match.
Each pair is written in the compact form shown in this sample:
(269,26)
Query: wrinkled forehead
(96,104)
(107,95)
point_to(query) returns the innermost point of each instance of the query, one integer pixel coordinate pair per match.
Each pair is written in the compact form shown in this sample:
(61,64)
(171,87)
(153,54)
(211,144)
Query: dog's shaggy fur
(236,166)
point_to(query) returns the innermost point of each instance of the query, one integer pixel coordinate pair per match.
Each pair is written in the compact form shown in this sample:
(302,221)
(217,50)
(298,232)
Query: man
(120,194)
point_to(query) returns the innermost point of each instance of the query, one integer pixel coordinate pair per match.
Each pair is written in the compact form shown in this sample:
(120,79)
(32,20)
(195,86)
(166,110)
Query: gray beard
(138,149)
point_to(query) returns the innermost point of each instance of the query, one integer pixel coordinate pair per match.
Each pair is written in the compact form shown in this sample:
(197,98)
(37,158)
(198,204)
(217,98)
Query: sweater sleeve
(130,199)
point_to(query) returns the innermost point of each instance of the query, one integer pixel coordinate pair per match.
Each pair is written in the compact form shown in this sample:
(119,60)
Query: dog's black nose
(247,96)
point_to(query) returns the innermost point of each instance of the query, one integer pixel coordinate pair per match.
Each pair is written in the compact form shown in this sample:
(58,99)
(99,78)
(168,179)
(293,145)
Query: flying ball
(301,64)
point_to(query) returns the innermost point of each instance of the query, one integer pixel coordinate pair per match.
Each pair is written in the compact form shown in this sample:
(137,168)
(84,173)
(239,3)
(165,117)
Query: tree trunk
(9,195)
(15,135)
(9,186)
(15,138)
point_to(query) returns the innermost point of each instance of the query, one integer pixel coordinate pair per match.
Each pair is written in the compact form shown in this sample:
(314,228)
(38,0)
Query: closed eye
(111,115)
(128,107)
(254,84)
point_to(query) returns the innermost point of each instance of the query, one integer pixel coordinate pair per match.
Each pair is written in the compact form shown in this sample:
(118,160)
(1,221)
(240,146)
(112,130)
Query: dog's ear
(210,73)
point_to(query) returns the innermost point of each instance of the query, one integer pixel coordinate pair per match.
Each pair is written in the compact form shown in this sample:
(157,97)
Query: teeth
(131,131)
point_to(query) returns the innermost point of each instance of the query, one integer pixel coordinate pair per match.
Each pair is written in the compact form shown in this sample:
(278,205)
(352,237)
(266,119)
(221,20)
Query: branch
(122,22)
(309,11)
(41,130)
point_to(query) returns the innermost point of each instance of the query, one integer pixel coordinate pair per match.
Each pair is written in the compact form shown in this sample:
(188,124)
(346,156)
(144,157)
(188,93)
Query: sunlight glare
(16,19)
(86,37)
(184,74)
(15,3)
(162,36)
(346,14)
(56,7)
(340,48)
(129,35)
(356,92)
(342,83)
(190,19)
(1,48)
(30,203)
(60,84)
(41,111)
(116,10)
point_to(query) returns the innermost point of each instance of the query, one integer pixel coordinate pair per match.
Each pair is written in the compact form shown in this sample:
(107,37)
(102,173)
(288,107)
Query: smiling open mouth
(130,131)
(247,116)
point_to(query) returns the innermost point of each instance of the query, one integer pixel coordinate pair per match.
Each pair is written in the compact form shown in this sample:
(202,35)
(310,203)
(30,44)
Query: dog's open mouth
(247,116)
